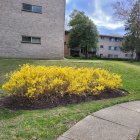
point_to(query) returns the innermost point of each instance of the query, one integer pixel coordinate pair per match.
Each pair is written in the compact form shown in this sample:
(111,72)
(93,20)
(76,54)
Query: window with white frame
(31,40)
(31,8)
(111,48)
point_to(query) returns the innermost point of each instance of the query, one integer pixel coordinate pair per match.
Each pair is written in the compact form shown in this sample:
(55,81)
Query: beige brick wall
(49,26)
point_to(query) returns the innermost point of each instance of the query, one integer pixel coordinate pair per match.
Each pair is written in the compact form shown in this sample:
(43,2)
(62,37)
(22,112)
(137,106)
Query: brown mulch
(18,103)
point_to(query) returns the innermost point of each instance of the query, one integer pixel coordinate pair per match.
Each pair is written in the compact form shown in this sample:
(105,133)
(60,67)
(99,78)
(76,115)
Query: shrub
(36,81)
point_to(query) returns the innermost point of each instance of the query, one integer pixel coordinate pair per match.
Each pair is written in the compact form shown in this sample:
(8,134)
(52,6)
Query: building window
(118,39)
(26,39)
(112,39)
(128,55)
(102,37)
(111,48)
(37,9)
(115,39)
(26,7)
(35,40)
(116,56)
(32,40)
(116,48)
(101,46)
(101,55)
(110,56)
(31,8)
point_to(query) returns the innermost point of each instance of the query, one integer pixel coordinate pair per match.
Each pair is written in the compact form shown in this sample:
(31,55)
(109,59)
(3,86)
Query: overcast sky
(100,11)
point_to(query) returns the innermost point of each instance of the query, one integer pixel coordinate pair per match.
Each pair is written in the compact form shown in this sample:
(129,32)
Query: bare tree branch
(123,9)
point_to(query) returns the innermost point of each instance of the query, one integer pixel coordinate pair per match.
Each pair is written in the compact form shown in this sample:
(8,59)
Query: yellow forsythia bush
(33,81)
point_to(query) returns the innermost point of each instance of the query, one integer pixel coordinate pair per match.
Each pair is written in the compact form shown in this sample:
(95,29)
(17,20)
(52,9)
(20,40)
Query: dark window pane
(37,9)
(101,55)
(115,48)
(26,39)
(110,47)
(36,40)
(112,39)
(126,55)
(102,37)
(115,56)
(110,56)
(101,46)
(27,7)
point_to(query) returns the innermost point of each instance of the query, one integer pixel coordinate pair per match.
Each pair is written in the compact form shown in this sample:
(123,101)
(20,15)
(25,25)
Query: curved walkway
(119,122)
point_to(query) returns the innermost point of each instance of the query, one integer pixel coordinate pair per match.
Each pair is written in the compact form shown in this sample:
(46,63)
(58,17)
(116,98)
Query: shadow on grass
(8,114)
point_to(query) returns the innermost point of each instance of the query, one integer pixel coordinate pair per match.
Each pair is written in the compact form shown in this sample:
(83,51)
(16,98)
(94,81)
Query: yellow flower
(34,81)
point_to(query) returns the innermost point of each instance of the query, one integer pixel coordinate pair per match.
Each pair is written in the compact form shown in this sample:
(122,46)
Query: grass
(49,124)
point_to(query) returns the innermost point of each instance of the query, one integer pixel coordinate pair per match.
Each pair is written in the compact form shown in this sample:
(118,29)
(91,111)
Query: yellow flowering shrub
(33,81)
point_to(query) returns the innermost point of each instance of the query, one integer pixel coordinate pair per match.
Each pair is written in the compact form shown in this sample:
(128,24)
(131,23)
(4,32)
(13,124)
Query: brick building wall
(48,25)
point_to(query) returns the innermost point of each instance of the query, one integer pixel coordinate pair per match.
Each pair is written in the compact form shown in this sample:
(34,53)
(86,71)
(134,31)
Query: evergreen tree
(132,27)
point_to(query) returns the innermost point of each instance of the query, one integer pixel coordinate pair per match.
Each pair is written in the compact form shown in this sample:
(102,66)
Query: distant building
(109,46)
(32,29)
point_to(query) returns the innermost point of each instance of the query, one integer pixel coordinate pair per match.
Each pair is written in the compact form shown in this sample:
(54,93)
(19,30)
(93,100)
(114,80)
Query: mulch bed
(18,103)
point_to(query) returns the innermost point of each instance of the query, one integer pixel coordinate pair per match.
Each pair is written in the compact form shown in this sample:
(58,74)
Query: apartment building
(32,29)
(109,46)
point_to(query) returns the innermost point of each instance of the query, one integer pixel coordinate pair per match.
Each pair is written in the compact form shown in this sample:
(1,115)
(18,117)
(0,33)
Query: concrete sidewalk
(119,122)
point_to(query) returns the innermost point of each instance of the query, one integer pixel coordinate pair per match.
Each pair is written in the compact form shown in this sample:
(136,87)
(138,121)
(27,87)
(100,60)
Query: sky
(100,11)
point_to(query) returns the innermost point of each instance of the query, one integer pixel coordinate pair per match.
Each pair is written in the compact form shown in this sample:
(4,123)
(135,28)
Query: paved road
(119,122)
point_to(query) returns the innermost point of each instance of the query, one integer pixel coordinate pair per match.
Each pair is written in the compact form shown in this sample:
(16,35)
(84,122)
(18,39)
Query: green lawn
(49,124)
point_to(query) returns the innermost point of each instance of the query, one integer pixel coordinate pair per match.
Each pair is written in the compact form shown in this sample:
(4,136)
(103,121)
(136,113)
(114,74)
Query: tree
(128,45)
(123,9)
(130,14)
(83,32)
(132,27)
